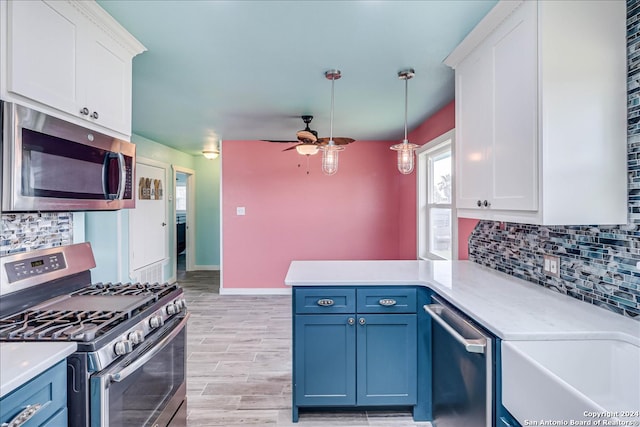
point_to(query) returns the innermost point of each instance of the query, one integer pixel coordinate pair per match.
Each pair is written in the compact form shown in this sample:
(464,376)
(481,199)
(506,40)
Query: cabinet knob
(479,203)
(94,115)
(362,321)
(351,321)
(486,204)
(84,111)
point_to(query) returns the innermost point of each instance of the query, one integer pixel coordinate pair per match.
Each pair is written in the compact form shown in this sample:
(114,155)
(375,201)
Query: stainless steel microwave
(49,164)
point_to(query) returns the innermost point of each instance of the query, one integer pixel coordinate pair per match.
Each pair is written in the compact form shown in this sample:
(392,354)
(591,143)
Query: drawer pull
(325,302)
(387,302)
(24,416)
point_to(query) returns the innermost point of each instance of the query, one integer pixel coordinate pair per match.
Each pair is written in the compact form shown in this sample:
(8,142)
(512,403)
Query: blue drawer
(325,300)
(49,389)
(387,300)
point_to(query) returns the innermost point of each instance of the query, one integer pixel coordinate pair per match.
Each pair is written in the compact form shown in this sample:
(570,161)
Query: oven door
(147,389)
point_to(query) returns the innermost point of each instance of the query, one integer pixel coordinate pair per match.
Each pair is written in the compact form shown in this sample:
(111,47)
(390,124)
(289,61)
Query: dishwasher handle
(471,345)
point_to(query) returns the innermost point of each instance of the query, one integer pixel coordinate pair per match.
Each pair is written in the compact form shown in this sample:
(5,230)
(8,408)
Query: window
(436,222)
(181,198)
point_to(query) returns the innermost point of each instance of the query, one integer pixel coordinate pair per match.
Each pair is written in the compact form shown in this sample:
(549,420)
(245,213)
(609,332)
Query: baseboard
(255,291)
(206,268)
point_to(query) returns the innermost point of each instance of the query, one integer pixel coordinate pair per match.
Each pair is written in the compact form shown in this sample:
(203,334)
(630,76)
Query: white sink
(571,380)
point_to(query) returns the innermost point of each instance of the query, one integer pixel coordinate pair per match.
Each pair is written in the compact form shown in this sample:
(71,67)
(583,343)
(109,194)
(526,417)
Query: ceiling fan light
(307,149)
(211,154)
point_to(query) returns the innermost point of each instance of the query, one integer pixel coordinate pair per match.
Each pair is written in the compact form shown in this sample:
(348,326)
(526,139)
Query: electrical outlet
(552,265)
(240,211)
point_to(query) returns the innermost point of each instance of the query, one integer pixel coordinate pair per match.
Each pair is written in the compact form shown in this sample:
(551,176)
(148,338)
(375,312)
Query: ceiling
(247,70)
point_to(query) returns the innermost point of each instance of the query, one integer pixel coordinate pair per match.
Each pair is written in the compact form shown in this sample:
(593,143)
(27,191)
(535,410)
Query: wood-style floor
(239,362)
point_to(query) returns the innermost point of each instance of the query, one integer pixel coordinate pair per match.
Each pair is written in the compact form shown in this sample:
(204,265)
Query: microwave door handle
(123,176)
(130,369)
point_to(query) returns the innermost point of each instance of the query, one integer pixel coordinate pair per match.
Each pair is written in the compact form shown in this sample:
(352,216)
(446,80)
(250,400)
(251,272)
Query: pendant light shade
(406,150)
(330,150)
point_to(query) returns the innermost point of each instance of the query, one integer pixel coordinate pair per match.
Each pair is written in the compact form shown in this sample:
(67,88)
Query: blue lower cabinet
(42,401)
(387,359)
(325,360)
(360,359)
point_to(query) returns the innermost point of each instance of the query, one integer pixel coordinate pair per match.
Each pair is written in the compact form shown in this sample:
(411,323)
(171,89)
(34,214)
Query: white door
(148,221)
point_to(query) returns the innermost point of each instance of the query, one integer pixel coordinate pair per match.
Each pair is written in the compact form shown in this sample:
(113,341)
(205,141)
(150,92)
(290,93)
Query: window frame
(424,153)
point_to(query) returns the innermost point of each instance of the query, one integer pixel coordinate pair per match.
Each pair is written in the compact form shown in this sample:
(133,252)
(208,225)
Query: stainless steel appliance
(129,369)
(51,165)
(462,369)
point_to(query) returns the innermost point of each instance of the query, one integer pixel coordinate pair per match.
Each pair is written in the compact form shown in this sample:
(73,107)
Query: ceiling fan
(308,139)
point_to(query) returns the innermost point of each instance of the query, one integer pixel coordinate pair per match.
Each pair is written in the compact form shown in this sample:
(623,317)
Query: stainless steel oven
(49,164)
(147,388)
(129,368)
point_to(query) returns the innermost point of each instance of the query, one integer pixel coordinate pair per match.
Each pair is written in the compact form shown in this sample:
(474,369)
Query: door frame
(190,232)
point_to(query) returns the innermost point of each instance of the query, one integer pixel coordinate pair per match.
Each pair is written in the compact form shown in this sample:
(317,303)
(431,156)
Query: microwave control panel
(30,267)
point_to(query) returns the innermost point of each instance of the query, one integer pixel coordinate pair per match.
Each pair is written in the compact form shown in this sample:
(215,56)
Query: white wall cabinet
(71,59)
(541,114)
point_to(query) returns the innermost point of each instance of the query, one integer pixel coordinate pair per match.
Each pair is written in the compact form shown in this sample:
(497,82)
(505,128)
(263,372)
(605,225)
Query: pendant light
(405,149)
(330,150)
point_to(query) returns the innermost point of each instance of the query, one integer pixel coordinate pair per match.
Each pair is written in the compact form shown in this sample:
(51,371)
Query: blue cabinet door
(324,360)
(387,359)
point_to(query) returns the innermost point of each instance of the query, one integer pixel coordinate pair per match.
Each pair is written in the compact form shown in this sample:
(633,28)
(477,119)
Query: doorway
(184,214)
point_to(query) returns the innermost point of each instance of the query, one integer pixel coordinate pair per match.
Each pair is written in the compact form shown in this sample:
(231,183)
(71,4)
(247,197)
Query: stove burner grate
(70,325)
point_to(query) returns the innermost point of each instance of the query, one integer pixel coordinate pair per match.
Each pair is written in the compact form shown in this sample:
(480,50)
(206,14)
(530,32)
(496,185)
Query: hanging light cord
(406,108)
(333,80)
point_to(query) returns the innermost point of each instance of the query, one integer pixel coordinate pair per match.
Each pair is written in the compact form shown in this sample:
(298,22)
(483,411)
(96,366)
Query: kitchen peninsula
(510,309)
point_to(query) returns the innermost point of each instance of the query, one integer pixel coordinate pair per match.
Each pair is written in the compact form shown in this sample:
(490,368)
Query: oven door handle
(138,363)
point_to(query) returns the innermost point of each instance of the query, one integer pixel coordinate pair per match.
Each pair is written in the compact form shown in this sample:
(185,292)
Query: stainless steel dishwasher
(462,369)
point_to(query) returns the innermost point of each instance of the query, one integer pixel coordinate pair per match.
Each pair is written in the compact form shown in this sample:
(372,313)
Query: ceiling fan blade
(339,140)
(278,140)
(291,148)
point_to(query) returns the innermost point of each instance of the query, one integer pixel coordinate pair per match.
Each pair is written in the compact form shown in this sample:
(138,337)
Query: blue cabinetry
(42,401)
(359,347)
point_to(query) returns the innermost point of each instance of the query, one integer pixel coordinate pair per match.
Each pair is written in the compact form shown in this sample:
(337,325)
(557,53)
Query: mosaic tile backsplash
(599,265)
(29,231)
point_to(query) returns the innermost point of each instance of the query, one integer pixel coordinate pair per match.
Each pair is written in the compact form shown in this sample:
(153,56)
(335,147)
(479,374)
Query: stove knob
(156,322)
(136,337)
(171,309)
(184,302)
(123,347)
(178,304)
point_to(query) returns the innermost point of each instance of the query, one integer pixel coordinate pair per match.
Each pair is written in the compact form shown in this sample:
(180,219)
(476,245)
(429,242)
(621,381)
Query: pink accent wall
(290,215)
(465,228)
(366,211)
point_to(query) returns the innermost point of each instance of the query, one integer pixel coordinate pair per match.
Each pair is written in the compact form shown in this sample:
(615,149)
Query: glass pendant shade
(330,158)
(406,156)
(307,149)
(211,154)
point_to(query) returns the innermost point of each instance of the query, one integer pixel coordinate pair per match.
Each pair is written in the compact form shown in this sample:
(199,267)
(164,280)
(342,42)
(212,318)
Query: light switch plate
(552,265)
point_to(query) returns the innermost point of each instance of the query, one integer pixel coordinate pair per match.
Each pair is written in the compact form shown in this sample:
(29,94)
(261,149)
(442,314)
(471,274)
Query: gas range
(48,296)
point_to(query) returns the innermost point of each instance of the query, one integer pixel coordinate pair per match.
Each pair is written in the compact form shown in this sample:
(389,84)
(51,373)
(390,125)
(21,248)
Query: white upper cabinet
(70,59)
(541,114)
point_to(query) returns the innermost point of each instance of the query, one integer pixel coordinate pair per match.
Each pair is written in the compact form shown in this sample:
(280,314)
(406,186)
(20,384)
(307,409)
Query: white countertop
(22,361)
(511,308)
